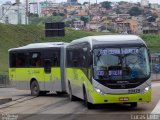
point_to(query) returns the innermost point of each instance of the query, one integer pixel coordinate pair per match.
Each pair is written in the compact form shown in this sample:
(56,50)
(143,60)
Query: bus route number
(134,91)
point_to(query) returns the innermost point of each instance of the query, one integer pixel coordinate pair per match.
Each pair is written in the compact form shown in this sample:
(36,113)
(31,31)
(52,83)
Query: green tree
(54,14)
(33,15)
(61,14)
(106,4)
(135,11)
(65,11)
(85,19)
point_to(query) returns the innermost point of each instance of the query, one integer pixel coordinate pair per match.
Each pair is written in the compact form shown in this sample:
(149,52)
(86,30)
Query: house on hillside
(78,24)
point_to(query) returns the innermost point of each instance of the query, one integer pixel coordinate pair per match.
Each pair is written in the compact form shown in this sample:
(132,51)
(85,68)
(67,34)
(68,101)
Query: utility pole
(27,11)
(17,2)
(97,15)
(89,15)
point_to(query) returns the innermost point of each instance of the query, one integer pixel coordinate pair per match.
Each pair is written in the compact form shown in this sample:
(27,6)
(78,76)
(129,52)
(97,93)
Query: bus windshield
(127,63)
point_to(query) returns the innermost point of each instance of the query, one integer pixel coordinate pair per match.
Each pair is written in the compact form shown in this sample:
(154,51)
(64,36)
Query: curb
(5,100)
(155,80)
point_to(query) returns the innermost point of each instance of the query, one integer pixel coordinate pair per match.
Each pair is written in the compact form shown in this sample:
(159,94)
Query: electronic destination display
(119,51)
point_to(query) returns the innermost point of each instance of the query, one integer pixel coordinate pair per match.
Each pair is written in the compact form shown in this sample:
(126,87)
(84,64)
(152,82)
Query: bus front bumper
(97,98)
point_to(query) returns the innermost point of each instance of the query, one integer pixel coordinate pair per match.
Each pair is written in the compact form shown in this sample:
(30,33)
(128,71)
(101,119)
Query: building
(150,28)
(144,3)
(13,13)
(33,8)
(155,6)
(78,24)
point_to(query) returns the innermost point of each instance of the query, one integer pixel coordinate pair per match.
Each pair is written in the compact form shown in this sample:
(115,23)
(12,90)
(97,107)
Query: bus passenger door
(47,74)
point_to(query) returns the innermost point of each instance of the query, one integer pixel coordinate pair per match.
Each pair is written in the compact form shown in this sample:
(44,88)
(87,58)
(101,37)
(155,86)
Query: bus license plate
(123,99)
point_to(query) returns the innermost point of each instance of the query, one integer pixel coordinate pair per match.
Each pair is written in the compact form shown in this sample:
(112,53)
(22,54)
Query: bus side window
(69,58)
(20,60)
(12,60)
(77,58)
(35,59)
(56,59)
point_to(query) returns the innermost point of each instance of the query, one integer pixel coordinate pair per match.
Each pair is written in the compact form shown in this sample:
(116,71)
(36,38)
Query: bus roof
(110,39)
(40,45)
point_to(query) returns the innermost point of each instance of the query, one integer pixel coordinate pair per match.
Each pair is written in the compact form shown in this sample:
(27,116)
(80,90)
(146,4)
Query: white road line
(156,110)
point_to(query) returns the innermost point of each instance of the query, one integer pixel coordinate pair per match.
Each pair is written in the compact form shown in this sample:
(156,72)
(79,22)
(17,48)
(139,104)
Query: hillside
(18,35)
(42,20)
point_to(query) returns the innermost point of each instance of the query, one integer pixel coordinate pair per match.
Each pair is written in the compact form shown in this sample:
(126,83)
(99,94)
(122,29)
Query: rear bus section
(112,69)
(38,67)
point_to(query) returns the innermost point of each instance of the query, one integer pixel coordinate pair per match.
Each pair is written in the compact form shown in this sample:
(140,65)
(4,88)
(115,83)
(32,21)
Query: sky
(93,1)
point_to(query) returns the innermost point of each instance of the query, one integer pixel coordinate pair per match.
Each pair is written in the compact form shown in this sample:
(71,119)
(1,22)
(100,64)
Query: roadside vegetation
(19,35)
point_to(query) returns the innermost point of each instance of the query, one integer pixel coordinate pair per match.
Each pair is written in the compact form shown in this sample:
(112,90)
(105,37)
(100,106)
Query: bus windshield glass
(127,63)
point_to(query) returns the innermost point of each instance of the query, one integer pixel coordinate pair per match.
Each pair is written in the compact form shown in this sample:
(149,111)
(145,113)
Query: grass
(153,42)
(18,35)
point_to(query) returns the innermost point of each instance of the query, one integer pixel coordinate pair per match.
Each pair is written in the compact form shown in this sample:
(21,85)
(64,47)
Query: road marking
(156,110)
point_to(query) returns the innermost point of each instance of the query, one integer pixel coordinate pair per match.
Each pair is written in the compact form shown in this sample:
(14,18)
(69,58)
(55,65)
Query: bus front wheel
(35,91)
(86,103)
(133,105)
(71,97)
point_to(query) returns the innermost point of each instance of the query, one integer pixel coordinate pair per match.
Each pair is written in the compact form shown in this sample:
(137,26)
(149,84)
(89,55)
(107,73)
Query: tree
(61,14)
(65,11)
(68,23)
(33,15)
(54,14)
(106,4)
(85,19)
(135,11)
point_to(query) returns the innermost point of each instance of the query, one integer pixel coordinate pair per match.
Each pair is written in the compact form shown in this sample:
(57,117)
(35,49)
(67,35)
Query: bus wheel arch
(34,87)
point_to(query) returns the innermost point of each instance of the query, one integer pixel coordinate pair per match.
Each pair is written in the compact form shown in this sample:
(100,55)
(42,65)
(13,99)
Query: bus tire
(71,97)
(85,100)
(43,93)
(134,105)
(35,91)
(60,93)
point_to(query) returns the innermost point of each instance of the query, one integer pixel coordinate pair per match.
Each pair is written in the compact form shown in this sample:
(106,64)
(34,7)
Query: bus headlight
(99,91)
(146,89)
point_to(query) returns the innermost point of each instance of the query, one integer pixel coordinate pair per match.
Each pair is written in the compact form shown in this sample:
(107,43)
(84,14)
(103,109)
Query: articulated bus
(38,67)
(108,69)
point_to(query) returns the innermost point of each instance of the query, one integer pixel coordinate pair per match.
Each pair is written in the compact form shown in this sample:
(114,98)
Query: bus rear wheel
(35,91)
(71,97)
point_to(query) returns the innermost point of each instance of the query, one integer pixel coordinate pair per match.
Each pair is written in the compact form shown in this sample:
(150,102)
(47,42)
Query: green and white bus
(108,69)
(38,67)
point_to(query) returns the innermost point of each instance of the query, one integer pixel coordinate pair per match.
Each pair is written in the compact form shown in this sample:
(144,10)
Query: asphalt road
(58,107)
